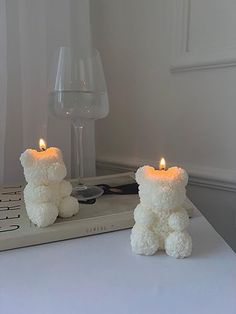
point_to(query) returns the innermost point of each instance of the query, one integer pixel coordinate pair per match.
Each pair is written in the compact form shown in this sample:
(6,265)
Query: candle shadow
(206,244)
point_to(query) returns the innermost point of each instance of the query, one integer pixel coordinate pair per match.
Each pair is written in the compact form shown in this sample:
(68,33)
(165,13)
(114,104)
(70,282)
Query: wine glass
(78,93)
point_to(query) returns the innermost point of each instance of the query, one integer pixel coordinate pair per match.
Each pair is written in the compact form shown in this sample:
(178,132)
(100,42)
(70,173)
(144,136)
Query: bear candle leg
(43,214)
(143,240)
(68,207)
(178,244)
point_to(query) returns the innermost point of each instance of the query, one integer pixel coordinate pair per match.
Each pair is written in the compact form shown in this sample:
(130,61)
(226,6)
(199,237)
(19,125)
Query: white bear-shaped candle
(160,219)
(47,195)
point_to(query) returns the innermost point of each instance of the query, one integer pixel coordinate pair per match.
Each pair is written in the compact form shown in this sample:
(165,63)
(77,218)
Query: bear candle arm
(36,194)
(178,221)
(65,188)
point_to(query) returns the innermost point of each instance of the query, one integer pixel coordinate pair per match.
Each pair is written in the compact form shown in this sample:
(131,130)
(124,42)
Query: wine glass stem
(79,154)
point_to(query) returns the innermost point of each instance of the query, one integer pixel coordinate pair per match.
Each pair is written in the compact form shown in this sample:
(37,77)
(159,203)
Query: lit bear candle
(47,195)
(160,219)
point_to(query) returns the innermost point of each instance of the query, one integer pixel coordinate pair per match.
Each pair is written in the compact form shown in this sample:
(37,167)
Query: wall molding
(195,179)
(184,64)
(183,59)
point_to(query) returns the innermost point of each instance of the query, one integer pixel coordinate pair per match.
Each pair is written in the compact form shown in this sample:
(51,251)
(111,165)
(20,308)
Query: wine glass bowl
(74,105)
(78,87)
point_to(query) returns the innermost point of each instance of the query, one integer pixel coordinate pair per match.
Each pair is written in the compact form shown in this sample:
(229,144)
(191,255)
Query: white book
(108,213)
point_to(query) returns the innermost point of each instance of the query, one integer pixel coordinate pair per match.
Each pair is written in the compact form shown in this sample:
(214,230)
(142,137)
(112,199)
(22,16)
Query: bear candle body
(46,194)
(160,219)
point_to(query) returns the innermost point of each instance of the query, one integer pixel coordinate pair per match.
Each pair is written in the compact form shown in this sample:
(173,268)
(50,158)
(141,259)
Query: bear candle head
(160,189)
(43,167)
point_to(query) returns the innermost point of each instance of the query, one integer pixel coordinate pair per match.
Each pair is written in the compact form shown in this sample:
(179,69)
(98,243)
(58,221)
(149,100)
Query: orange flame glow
(162,164)
(42,144)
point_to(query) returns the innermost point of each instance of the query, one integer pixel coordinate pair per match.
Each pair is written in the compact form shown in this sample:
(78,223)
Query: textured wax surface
(47,195)
(160,219)
(159,189)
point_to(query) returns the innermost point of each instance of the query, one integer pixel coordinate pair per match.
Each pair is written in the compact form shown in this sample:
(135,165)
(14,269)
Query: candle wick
(43,149)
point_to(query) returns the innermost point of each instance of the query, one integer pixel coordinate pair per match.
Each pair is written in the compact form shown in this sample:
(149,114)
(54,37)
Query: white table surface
(100,274)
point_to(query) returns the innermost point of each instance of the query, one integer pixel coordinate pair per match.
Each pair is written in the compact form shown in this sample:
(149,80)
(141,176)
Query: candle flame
(162,164)
(42,144)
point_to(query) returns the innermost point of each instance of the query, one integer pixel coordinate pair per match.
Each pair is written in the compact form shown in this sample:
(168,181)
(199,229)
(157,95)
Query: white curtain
(3,84)
(30,32)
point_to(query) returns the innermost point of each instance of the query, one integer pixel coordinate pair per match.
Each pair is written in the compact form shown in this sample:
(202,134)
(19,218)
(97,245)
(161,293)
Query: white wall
(188,117)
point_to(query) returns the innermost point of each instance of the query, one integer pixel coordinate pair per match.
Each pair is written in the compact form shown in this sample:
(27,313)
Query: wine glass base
(85,193)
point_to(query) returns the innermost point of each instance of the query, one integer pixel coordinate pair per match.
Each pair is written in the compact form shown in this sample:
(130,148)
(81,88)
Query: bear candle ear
(56,152)
(59,153)
(183,176)
(27,158)
(142,174)
(139,175)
